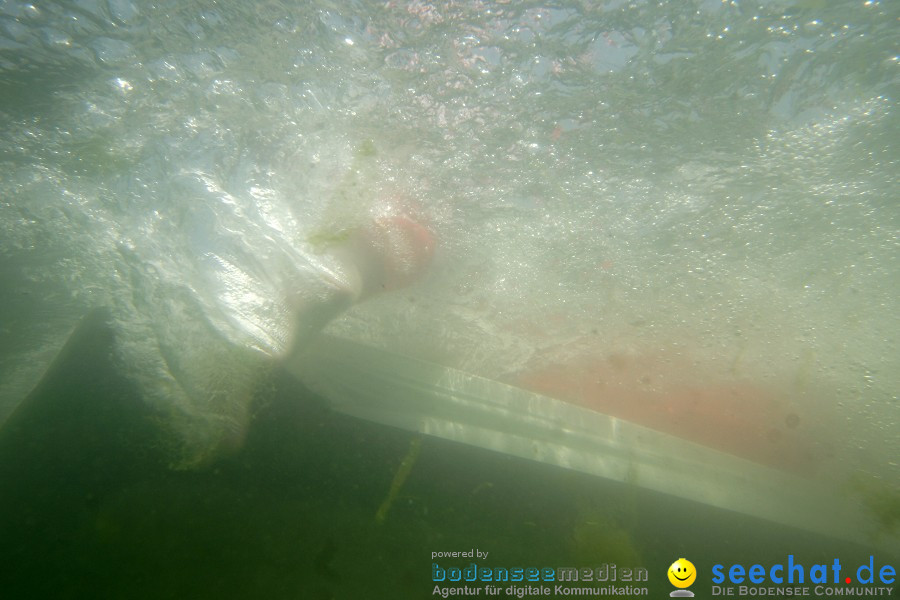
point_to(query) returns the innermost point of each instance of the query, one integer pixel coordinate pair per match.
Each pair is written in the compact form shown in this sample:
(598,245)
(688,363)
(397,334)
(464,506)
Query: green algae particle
(598,533)
(98,155)
(886,508)
(882,500)
(323,240)
(599,538)
(366,149)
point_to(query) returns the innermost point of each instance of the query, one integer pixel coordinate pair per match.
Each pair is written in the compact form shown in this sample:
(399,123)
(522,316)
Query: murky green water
(684,208)
(91,508)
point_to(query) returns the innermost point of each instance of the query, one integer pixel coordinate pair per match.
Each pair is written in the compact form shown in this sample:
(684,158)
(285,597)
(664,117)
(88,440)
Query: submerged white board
(431,399)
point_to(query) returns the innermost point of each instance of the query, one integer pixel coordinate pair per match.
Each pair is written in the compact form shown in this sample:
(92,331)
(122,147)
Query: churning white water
(713,184)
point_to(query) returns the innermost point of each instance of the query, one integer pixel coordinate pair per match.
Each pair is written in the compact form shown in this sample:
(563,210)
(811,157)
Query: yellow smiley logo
(682,573)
